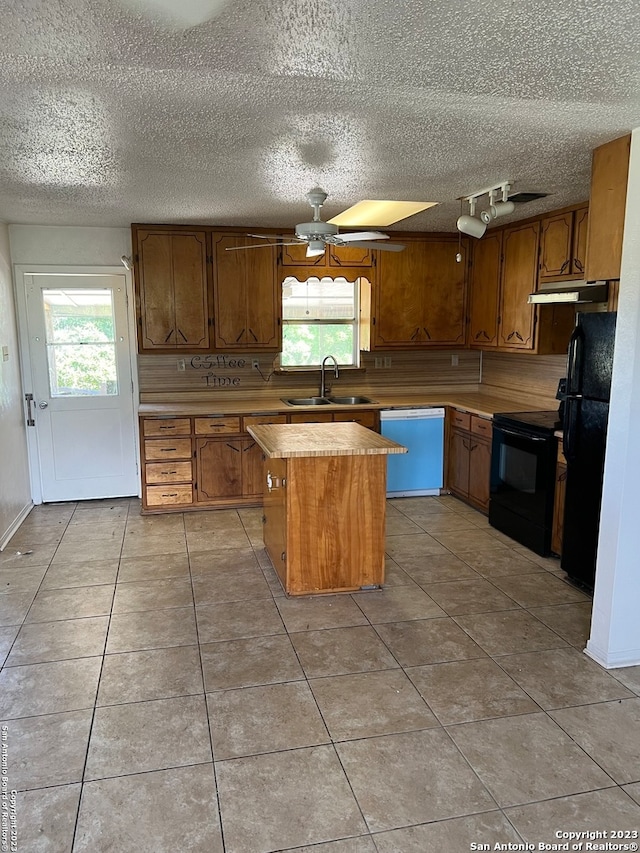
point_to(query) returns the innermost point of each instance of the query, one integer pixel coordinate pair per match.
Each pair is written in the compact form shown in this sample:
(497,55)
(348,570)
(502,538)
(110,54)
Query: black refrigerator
(586,413)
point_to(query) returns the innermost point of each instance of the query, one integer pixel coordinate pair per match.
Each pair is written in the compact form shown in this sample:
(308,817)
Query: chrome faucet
(323,385)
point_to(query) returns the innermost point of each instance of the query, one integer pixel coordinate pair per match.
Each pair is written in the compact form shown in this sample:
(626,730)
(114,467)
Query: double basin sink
(325,401)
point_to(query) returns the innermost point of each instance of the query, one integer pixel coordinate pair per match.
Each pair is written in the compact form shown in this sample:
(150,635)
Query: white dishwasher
(421,431)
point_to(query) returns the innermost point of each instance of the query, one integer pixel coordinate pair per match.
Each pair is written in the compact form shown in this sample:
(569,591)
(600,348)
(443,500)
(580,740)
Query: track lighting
(475,227)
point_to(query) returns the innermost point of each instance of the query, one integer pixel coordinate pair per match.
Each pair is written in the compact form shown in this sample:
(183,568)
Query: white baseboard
(615,660)
(13,527)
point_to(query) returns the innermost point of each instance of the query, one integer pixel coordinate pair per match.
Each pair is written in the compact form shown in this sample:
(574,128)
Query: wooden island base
(325,505)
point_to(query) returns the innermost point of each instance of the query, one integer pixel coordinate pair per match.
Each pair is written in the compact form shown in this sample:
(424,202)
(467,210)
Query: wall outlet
(378,362)
(454,361)
(181,365)
(255,364)
(5,353)
(387,361)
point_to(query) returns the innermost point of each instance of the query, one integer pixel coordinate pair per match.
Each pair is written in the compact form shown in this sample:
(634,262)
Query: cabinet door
(459,462)
(263,300)
(252,468)
(349,256)
(609,175)
(367,419)
(296,255)
(579,249)
(479,471)
(399,297)
(558,508)
(172,289)
(443,314)
(219,468)
(519,277)
(484,288)
(556,244)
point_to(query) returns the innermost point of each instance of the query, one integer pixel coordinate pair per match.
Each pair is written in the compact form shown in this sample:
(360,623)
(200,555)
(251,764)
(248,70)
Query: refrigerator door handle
(575,362)
(572,410)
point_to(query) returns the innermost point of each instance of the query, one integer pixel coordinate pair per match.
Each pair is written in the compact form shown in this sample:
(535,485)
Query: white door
(81,384)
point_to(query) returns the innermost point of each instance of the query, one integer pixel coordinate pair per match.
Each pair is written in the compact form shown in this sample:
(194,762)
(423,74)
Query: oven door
(522,486)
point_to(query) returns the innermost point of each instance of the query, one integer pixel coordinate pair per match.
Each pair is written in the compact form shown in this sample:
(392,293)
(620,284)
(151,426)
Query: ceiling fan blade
(258,246)
(385,247)
(181,16)
(361,235)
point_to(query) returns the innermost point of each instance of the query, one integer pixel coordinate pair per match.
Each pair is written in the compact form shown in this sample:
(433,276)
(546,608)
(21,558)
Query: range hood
(576,292)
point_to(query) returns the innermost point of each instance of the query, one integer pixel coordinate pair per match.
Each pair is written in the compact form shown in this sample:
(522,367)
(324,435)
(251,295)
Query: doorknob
(42,404)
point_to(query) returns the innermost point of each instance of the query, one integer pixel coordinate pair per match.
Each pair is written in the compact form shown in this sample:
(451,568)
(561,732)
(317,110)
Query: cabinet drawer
(217,426)
(167,448)
(256,420)
(169,495)
(365,419)
(462,420)
(481,426)
(166,426)
(311,418)
(175,472)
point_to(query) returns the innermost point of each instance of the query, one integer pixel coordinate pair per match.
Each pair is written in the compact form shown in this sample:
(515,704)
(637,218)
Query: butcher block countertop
(287,441)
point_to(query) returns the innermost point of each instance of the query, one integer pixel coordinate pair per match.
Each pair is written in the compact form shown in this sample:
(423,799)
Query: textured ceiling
(112,114)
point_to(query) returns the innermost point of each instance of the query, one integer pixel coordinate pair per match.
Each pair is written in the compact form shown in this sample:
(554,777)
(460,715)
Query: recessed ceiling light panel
(379,213)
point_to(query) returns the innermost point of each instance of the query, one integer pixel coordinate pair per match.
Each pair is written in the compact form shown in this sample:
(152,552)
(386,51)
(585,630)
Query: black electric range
(545,423)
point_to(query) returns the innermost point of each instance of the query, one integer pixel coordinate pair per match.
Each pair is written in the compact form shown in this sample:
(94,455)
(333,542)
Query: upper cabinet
(172,289)
(420,296)
(484,289)
(609,175)
(334,256)
(247,295)
(519,277)
(563,240)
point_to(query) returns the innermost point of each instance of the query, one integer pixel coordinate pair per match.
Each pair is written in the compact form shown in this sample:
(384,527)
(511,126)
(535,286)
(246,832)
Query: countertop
(286,441)
(485,405)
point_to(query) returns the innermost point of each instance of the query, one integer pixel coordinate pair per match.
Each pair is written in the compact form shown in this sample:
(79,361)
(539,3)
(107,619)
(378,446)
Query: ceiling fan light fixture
(315,248)
(379,213)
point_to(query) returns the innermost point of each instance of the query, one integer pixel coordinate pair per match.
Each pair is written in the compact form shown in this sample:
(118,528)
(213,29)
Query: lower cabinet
(558,502)
(469,464)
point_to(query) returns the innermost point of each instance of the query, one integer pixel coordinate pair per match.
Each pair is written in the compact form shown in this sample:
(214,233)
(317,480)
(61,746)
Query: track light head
(471,226)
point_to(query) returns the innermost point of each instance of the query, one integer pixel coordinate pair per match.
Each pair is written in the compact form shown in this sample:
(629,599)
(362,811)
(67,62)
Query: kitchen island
(324,504)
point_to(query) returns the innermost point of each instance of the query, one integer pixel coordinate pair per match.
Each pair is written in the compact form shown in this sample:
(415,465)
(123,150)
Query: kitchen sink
(349,401)
(305,401)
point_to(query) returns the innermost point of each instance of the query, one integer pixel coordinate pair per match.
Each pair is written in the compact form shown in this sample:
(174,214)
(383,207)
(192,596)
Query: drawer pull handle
(168,427)
(172,495)
(167,449)
(166,473)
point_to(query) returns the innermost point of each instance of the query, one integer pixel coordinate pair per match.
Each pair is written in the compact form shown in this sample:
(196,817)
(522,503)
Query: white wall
(615,629)
(55,244)
(15,491)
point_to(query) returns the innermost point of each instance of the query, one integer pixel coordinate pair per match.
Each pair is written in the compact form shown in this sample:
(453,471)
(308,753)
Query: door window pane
(80,339)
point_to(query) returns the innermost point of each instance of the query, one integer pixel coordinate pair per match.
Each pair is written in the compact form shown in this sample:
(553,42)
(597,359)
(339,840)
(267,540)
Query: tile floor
(159,693)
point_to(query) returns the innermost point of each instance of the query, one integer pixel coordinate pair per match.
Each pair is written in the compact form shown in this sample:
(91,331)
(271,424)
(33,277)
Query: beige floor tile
(561,677)
(217,589)
(47,819)
(92,573)
(610,733)
(552,564)
(158,812)
(138,544)
(410,778)
(508,632)
(217,540)
(629,676)
(153,568)
(608,809)
(111,531)
(538,590)
(151,674)
(394,575)
(498,562)
(160,525)
(152,629)
(51,513)
(370,703)
(428,641)
(143,736)
(461,542)
(411,545)
(445,523)
(50,605)
(41,642)
(314,612)
(36,554)
(633,791)
(422,505)
(100,510)
(152,595)
(47,750)
(398,604)
(264,719)
(213,519)
(449,836)
(398,524)
(84,552)
(231,561)
(527,758)
(310,803)
(473,596)
(18,580)
(32,534)
(571,621)
(249,663)
(338,651)
(49,688)
(362,844)
(7,637)
(461,691)
(437,568)
(235,620)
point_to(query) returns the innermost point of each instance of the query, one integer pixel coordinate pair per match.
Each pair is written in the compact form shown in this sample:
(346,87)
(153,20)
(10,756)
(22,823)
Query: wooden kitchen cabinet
(484,289)
(218,469)
(609,176)
(252,456)
(563,239)
(519,279)
(558,502)
(420,296)
(369,418)
(173,289)
(334,256)
(248,303)
(469,463)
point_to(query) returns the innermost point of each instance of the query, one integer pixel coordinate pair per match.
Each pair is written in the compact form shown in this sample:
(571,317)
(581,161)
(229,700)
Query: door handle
(30,418)
(42,404)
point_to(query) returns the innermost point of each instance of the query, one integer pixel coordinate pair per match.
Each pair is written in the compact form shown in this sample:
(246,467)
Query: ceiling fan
(318,234)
